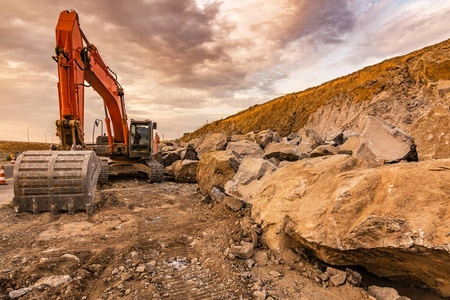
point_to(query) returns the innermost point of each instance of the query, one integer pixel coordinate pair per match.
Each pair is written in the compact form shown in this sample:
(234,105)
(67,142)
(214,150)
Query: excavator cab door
(140,139)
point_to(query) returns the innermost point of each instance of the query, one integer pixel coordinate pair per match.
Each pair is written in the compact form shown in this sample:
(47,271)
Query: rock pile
(357,198)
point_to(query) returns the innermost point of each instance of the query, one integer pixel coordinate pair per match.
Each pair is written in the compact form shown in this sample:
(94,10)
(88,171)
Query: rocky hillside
(354,172)
(398,90)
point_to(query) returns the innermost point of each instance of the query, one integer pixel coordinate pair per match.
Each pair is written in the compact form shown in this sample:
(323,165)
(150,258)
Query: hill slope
(399,89)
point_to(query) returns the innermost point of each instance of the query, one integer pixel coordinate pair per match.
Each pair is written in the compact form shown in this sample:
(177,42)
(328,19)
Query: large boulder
(393,220)
(342,137)
(309,137)
(189,153)
(185,170)
(249,178)
(380,141)
(324,150)
(246,148)
(211,142)
(350,145)
(281,151)
(431,133)
(215,169)
(170,157)
(265,137)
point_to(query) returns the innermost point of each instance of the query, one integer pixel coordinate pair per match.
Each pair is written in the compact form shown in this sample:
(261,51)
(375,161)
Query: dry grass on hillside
(22,146)
(290,113)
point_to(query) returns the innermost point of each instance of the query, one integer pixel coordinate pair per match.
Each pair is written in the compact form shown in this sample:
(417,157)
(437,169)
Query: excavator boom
(79,61)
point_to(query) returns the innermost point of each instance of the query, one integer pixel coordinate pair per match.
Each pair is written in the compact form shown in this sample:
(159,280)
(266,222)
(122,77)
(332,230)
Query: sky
(183,63)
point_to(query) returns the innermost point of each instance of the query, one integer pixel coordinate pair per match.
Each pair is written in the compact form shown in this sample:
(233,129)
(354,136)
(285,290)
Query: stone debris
(385,293)
(140,269)
(353,277)
(51,281)
(245,250)
(15,294)
(71,256)
(265,137)
(232,203)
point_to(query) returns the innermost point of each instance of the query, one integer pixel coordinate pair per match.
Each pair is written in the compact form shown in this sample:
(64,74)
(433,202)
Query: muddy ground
(152,241)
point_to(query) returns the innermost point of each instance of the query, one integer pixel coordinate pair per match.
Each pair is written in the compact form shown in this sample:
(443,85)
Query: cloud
(391,29)
(188,61)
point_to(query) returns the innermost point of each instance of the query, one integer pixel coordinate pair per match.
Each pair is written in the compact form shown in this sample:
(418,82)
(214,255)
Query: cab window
(139,137)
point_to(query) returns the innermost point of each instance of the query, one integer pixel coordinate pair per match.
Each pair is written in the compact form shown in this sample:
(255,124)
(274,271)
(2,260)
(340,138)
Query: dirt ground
(149,241)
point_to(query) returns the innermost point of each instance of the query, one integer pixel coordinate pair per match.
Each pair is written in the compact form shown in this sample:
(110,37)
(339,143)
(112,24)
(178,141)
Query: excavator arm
(80,62)
(66,180)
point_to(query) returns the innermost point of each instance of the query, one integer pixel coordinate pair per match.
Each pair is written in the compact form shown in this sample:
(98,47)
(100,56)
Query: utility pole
(46,135)
(28,132)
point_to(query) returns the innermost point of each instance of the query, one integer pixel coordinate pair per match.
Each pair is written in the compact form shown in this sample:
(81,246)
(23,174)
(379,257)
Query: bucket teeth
(35,208)
(55,181)
(71,208)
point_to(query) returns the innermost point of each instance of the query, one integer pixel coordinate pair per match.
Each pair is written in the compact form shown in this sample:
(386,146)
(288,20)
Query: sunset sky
(185,62)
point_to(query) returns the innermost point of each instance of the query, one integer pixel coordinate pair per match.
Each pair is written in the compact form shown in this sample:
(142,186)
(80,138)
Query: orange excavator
(65,177)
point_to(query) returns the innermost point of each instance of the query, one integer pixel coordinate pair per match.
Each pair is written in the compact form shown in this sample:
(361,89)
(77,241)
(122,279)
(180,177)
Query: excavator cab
(141,138)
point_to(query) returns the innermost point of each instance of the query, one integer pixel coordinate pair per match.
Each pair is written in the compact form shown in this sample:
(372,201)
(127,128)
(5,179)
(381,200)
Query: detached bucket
(55,181)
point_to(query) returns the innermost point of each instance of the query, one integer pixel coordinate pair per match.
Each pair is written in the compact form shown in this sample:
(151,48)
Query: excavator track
(156,170)
(104,173)
(55,181)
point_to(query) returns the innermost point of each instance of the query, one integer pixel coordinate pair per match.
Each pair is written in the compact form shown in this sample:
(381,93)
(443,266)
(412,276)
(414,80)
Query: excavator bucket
(55,181)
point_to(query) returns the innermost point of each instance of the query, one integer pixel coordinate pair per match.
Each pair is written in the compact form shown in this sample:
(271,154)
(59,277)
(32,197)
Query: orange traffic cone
(13,160)
(2,176)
